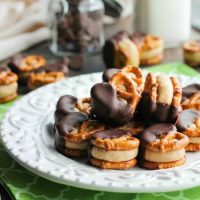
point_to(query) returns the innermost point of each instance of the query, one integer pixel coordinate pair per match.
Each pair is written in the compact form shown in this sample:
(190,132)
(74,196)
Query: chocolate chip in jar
(80,29)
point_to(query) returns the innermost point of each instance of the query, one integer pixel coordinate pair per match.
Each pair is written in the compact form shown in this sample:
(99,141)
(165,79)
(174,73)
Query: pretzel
(194,129)
(125,142)
(32,62)
(136,75)
(85,130)
(84,105)
(161,165)
(192,102)
(7,77)
(176,101)
(192,46)
(113,165)
(45,78)
(134,127)
(126,88)
(168,142)
(151,50)
(150,42)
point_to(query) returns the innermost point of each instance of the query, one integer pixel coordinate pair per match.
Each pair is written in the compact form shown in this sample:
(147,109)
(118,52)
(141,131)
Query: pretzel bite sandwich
(48,74)
(73,133)
(191,52)
(8,85)
(23,65)
(162,147)
(188,123)
(113,149)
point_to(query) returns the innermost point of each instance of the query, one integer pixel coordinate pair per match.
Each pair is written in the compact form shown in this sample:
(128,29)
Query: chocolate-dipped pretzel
(126,78)
(48,74)
(191,97)
(8,85)
(68,104)
(188,123)
(73,133)
(107,107)
(119,51)
(162,147)
(161,99)
(113,149)
(23,65)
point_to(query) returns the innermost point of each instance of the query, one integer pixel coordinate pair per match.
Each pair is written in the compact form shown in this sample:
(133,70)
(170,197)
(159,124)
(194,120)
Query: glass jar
(77,26)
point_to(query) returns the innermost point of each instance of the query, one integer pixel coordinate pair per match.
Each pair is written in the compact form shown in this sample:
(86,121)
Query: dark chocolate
(109,49)
(186,118)
(54,67)
(65,126)
(107,107)
(137,37)
(110,134)
(65,106)
(151,133)
(190,90)
(15,62)
(108,73)
(4,69)
(149,110)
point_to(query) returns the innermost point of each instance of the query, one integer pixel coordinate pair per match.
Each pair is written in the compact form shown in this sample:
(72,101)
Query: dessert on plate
(188,123)
(73,133)
(162,147)
(113,149)
(161,99)
(8,85)
(68,104)
(125,114)
(116,101)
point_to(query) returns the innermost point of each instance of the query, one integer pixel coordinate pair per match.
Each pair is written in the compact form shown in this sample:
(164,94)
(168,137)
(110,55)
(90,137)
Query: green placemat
(27,186)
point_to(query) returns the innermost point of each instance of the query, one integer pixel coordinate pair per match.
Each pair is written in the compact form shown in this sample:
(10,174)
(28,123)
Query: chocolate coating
(65,126)
(110,134)
(108,73)
(110,48)
(151,133)
(64,106)
(55,67)
(137,37)
(4,69)
(157,112)
(190,90)
(15,62)
(186,118)
(107,107)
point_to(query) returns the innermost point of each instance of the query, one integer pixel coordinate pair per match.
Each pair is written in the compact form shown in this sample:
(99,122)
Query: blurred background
(30,23)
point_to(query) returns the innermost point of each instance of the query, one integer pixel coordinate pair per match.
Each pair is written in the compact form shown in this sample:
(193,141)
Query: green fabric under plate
(25,185)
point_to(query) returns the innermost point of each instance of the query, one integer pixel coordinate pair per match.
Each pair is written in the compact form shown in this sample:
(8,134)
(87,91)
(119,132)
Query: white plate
(26,137)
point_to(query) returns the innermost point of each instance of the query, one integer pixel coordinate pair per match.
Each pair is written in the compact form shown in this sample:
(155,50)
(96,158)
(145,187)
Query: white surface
(25,136)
